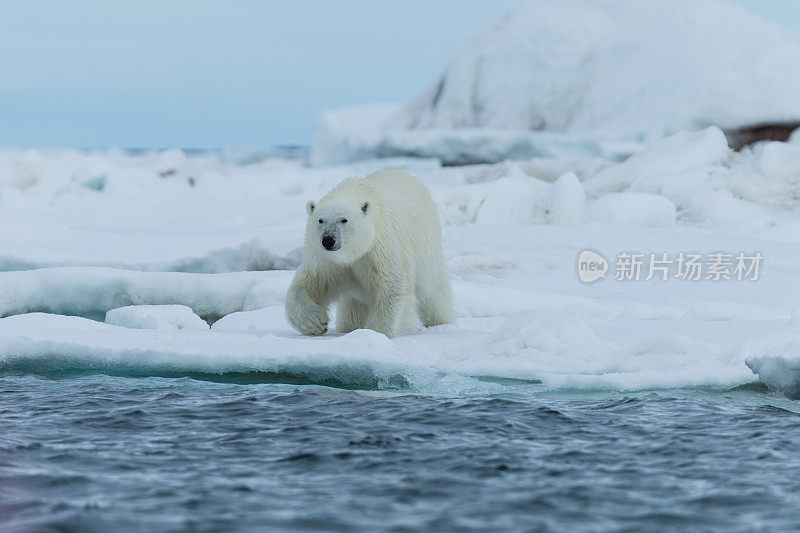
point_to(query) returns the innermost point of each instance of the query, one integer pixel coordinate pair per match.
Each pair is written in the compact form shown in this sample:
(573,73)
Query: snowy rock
(155,317)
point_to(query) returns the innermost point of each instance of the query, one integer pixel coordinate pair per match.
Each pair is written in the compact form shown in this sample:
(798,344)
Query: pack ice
(166,263)
(94,280)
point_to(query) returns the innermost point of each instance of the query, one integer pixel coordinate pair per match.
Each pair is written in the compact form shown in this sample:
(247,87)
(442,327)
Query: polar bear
(373,246)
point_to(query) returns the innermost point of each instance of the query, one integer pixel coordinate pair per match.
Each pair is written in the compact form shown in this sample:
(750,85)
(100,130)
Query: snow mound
(513,198)
(155,317)
(708,183)
(594,77)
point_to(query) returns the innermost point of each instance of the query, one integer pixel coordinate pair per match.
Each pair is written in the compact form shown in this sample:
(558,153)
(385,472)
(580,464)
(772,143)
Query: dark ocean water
(100,453)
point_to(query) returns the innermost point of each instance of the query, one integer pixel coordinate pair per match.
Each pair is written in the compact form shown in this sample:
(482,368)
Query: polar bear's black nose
(328,242)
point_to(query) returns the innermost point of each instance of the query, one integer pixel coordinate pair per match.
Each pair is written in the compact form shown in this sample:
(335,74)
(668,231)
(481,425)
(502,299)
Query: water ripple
(98,453)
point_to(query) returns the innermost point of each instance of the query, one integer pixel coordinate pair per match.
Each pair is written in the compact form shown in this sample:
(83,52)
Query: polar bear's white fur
(373,246)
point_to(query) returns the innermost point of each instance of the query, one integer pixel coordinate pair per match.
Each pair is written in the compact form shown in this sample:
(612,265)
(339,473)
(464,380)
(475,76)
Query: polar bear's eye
(344,221)
(321,221)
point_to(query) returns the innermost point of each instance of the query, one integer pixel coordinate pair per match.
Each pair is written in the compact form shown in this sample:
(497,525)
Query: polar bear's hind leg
(436,301)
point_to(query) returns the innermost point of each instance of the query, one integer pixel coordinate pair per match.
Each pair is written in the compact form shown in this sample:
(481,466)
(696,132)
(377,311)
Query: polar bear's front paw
(310,320)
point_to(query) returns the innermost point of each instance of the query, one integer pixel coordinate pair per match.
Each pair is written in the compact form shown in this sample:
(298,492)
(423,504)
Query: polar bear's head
(340,229)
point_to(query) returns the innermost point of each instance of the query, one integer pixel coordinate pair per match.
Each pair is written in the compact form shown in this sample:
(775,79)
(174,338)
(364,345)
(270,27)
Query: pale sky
(209,74)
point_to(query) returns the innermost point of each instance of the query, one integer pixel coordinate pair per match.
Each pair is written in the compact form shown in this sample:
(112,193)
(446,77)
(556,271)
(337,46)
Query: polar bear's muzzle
(331,241)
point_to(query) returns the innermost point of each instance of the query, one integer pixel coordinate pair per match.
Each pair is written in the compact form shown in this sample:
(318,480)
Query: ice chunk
(779,373)
(567,199)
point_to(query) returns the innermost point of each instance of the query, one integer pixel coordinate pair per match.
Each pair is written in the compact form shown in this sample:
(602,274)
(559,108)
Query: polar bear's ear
(364,207)
(310,206)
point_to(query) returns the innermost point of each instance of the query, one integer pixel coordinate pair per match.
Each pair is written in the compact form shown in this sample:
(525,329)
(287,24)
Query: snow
(159,257)
(155,317)
(594,78)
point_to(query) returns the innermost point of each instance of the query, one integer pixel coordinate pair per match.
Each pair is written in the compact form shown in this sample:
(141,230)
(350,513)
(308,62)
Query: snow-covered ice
(223,246)
(93,291)
(589,125)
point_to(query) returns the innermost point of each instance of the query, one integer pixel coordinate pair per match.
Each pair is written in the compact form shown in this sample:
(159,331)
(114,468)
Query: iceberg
(591,78)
